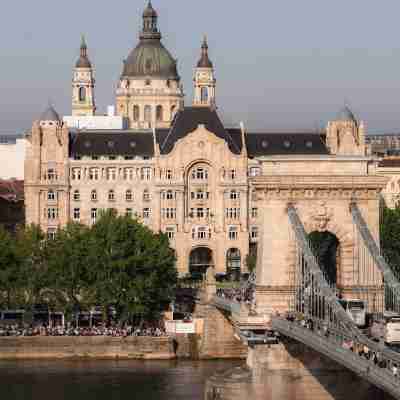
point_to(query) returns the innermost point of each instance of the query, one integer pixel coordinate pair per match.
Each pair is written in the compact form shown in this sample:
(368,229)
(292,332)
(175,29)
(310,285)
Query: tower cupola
(83,84)
(150,28)
(204,61)
(204,79)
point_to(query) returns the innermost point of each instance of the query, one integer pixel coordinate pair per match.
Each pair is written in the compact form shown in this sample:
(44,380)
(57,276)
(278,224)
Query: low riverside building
(12,156)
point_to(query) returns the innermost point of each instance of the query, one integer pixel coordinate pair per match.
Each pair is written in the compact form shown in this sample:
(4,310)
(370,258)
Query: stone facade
(210,188)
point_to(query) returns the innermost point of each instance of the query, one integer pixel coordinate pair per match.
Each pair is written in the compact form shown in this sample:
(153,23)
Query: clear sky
(280,64)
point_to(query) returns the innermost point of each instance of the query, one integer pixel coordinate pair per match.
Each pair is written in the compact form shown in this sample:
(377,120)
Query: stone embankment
(98,347)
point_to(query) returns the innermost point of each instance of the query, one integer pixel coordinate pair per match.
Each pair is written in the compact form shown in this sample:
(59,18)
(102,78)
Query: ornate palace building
(176,168)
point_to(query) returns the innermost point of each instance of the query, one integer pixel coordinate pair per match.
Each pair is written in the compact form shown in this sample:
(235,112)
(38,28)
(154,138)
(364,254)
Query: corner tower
(346,135)
(149,92)
(204,79)
(83,83)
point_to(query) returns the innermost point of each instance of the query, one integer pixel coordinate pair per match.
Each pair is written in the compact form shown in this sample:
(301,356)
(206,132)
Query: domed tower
(83,83)
(346,135)
(204,79)
(149,92)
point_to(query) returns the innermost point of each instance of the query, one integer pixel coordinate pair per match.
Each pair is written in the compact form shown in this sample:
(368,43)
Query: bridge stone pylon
(323,205)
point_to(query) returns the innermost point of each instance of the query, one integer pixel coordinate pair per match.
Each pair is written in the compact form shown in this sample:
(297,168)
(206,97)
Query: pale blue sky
(280,64)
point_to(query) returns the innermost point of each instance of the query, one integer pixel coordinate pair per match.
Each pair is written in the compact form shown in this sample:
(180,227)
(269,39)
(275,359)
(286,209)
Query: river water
(106,380)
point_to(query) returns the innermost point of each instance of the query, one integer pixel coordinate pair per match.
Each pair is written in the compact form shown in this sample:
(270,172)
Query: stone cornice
(285,182)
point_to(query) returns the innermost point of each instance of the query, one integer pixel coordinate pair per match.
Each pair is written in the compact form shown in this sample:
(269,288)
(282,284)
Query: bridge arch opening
(326,248)
(233,264)
(200,259)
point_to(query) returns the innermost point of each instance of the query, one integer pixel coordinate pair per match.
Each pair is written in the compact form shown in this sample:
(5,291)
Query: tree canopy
(117,263)
(390,237)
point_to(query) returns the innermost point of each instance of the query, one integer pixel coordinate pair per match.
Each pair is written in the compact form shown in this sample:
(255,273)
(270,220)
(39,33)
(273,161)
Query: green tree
(68,268)
(132,268)
(10,278)
(390,236)
(31,251)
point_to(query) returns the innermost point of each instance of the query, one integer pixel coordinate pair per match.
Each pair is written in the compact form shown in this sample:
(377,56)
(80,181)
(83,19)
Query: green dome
(150,59)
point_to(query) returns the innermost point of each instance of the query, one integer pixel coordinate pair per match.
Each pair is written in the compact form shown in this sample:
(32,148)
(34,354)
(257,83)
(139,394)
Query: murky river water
(106,380)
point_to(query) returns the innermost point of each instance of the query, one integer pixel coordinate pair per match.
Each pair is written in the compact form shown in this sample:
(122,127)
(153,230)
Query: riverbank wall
(87,347)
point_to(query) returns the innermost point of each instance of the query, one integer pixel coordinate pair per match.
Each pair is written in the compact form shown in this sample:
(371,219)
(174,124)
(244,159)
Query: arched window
(82,94)
(136,114)
(147,113)
(159,113)
(111,195)
(94,195)
(204,95)
(129,195)
(77,195)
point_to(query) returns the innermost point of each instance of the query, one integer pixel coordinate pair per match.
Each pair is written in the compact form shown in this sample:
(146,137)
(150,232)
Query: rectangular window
(76,174)
(93,174)
(77,214)
(169,174)
(129,212)
(51,174)
(146,213)
(111,174)
(254,171)
(254,212)
(232,213)
(51,195)
(51,234)
(200,213)
(145,174)
(52,213)
(233,233)
(93,215)
(170,213)
(170,231)
(128,174)
(202,233)
(232,174)
(254,232)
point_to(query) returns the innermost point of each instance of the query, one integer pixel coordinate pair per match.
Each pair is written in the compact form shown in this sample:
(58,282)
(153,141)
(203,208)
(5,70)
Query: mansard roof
(295,143)
(187,121)
(101,143)
(141,143)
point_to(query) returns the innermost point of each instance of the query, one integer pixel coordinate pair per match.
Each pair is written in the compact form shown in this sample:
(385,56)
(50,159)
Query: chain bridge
(315,316)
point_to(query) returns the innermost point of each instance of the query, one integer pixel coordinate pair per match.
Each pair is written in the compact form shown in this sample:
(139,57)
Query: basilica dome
(150,59)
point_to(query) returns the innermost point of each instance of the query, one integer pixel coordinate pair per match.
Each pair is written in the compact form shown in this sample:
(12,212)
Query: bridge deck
(380,377)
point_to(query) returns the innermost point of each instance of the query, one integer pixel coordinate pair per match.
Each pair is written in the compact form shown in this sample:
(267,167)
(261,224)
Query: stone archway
(326,248)
(200,259)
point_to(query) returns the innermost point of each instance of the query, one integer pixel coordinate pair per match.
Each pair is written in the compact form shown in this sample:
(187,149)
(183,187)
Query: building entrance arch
(200,259)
